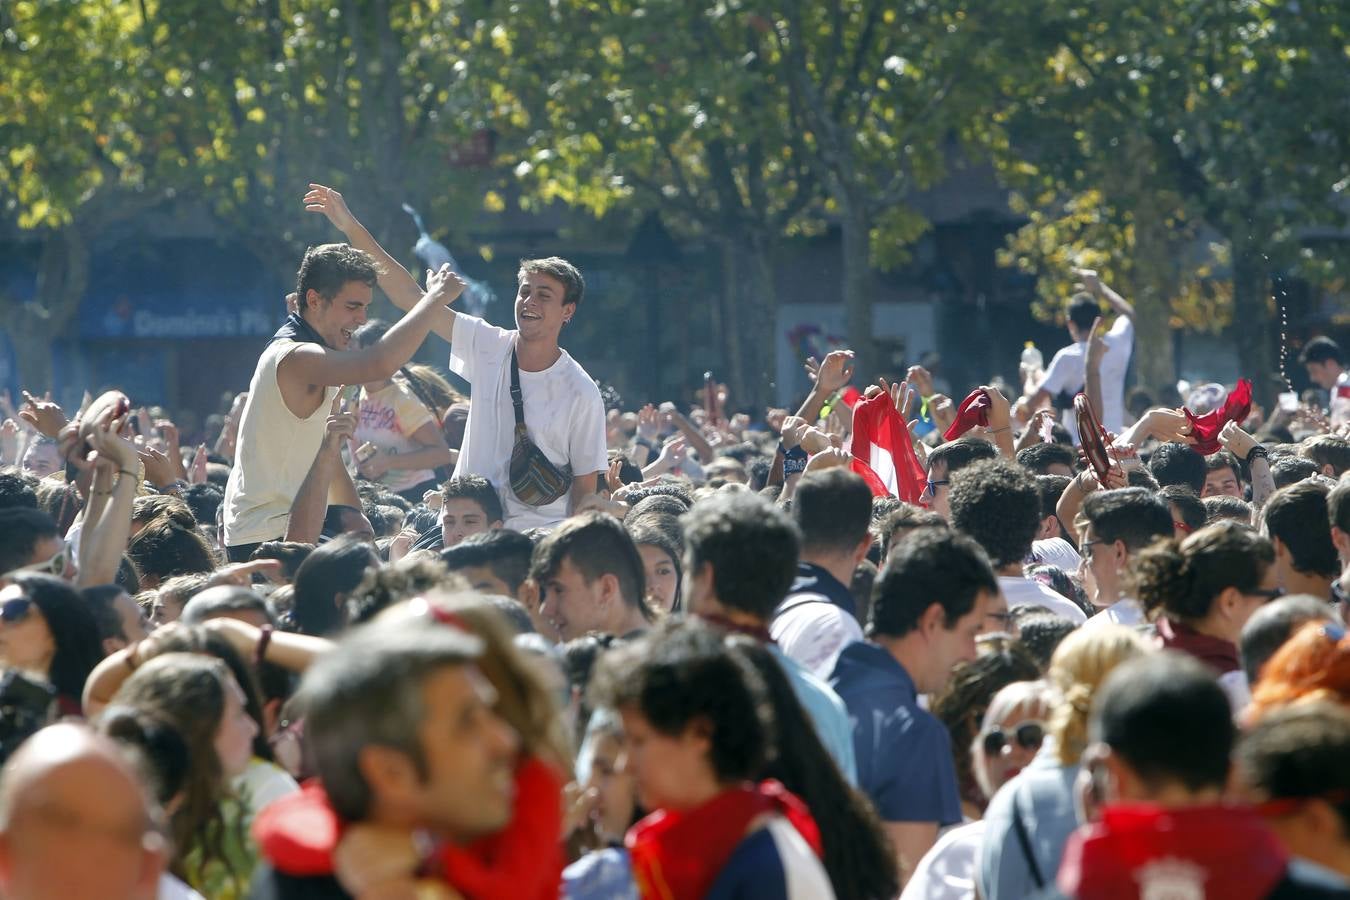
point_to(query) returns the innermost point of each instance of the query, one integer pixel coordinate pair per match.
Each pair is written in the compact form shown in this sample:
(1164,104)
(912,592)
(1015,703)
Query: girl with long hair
(46,629)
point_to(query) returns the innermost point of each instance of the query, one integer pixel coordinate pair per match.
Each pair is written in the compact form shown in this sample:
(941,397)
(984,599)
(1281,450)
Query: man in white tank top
(563,412)
(297,377)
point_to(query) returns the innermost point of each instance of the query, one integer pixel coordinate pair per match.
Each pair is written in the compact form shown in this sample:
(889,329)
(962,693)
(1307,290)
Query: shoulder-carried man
(536,425)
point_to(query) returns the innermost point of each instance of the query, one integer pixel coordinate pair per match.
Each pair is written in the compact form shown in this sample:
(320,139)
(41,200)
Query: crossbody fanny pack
(535,480)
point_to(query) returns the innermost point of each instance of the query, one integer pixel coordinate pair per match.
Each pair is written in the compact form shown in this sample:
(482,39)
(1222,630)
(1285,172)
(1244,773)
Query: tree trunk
(63,276)
(727,321)
(857,288)
(758,315)
(1251,322)
(1154,287)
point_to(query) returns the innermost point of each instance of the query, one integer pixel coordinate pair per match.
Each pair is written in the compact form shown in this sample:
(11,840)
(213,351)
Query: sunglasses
(16,610)
(55,566)
(934,485)
(1028,736)
(1272,594)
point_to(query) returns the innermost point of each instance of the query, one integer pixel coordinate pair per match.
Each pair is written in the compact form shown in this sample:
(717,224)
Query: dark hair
(333,526)
(577,658)
(1174,463)
(1193,512)
(1165,715)
(997,503)
(1222,507)
(384,586)
(164,548)
(21,528)
(100,599)
(291,554)
(159,749)
(507,553)
(1338,505)
(1051,488)
(59,500)
(1223,459)
(929,567)
(18,490)
(420,518)
(163,506)
(856,854)
(221,600)
(367,692)
(514,614)
(832,510)
(1271,625)
(327,268)
(963,702)
(1289,470)
(479,490)
(370,333)
(640,500)
(1040,634)
(1182,579)
(727,529)
(1083,311)
(1039,457)
(1299,752)
(1132,516)
(958,454)
(595,544)
(574,286)
(908,518)
(1297,517)
(1327,450)
(333,569)
(648,532)
(1321,349)
(74,632)
(682,672)
(204,500)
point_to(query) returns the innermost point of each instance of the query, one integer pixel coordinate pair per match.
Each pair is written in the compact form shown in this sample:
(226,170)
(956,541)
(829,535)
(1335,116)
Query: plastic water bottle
(1031,357)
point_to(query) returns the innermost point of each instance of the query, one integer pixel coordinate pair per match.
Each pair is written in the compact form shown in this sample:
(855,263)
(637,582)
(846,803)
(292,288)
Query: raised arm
(397,282)
(1100,290)
(311,364)
(311,501)
(112,495)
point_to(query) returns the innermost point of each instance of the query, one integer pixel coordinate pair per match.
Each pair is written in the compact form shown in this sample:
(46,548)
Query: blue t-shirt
(826,711)
(904,754)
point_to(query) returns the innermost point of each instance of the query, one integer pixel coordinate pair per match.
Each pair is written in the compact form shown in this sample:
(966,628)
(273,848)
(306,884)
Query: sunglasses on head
(15,610)
(1027,734)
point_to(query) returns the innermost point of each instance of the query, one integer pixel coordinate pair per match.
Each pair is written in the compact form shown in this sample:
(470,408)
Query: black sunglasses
(15,610)
(1028,735)
(1272,594)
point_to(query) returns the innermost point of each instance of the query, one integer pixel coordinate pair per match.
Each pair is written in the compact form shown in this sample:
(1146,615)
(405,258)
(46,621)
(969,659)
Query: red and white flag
(883,453)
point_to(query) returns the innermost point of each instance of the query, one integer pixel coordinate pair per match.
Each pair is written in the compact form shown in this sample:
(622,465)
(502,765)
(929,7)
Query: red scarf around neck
(678,855)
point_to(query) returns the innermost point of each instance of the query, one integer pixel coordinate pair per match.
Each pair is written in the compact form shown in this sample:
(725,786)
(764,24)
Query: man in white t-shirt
(563,412)
(1066,375)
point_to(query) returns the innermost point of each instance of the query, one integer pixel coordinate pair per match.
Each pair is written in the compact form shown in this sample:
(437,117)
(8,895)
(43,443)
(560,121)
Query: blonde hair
(1079,666)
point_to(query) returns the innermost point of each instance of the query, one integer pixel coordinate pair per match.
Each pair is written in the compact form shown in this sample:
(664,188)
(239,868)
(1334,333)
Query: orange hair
(1313,664)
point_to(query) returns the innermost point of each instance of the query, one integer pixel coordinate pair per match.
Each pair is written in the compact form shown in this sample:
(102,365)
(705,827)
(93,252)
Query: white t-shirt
(812,632)
(171,888)
(262,783)
(388,419)
(1123,612)
(1067,374)
(563,413)
(947,871)
(1056,552)
(1022,591)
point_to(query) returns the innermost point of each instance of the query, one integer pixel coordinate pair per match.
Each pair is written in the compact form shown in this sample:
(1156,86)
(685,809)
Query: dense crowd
(354,634)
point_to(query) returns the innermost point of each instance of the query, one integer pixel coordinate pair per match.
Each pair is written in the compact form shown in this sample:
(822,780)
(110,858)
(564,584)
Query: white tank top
(273,453)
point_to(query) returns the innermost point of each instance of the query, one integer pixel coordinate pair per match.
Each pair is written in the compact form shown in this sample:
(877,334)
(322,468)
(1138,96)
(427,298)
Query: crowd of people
(357,635)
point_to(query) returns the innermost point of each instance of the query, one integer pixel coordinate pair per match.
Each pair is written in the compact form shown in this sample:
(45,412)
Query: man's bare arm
(397,282)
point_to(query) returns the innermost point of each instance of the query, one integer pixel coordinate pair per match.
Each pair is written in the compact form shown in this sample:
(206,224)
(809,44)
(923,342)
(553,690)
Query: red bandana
(974,410)
(678,855)
(1205,429)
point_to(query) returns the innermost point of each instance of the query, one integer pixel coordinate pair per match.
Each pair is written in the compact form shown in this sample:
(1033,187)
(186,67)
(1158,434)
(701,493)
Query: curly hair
(998,504)
(1079,666)
(682,672)
(384,586)
(962,704)
(1182,579)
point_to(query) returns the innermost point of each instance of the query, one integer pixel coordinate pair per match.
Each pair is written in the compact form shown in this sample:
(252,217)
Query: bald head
(68,794)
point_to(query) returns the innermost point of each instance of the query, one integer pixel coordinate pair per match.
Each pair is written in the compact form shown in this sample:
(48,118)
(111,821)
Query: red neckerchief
(974,410)
(678,855)
(1218,654)
(759,631)
(1138,850)
(1205,429)
(526,859)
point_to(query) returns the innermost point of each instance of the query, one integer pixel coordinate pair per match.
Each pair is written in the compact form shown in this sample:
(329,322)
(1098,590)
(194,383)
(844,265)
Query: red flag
(882,449)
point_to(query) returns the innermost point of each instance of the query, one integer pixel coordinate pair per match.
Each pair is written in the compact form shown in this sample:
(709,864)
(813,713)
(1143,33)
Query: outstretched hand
(322,199)
(445,284)
(833,373)
(45,416)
